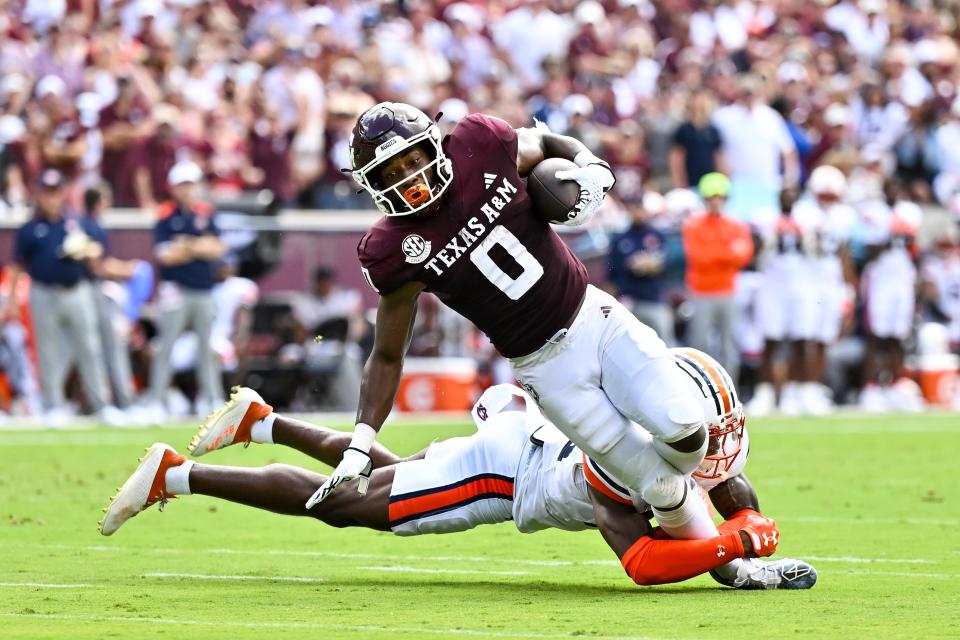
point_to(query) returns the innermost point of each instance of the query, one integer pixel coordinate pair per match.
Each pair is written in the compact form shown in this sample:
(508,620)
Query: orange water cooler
(437,384)
(937,377)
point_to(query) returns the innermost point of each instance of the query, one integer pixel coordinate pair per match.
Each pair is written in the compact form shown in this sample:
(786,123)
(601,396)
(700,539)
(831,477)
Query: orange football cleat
(145,487)
(231,423)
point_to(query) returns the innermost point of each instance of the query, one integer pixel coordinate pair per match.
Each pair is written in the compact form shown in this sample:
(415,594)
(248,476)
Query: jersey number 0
(514,288)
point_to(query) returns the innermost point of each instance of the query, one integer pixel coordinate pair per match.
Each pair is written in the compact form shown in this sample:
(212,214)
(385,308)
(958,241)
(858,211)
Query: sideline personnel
(54,247)
(187,247)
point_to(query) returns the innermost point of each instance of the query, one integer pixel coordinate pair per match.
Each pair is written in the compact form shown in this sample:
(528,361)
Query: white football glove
(356,463)
(595,180)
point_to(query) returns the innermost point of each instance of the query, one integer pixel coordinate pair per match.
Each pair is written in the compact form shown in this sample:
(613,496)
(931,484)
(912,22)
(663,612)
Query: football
(552,199)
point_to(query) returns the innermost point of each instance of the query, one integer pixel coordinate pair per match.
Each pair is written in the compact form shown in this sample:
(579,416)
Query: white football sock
(731,570)
(689,521)
(177,479)
(262,430)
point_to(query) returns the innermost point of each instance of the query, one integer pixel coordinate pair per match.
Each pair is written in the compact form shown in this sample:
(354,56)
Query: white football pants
(609,384)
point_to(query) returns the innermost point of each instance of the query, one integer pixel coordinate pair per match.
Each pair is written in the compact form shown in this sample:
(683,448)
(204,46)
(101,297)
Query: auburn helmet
(712,386)
(385,131)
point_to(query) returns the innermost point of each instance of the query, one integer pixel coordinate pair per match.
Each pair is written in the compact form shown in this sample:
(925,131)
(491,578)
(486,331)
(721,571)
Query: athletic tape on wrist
(363,437)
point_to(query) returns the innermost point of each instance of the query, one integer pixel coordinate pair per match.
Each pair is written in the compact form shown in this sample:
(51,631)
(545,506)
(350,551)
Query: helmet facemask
(723,446)
(419,194)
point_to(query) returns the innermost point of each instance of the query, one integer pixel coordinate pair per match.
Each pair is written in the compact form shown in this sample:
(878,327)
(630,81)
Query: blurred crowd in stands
(819,139)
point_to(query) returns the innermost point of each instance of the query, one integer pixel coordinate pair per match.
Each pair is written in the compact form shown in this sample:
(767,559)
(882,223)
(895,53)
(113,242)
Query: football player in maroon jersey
(458,223)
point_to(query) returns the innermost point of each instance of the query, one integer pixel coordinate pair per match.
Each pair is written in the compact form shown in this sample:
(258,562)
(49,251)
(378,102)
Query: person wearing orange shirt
(716,247)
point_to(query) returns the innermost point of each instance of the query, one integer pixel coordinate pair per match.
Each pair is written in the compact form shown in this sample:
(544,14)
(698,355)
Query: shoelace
(764,574)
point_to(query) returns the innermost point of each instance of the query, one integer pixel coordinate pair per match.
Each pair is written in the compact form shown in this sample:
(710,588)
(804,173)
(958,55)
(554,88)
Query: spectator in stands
(629,161)
(270,144)
(124,122)
(528,35)
(187,246)
(946,185)
(879,120)
(835,135)
(636,264)
(13,190)
(156,156)
(697,146)
(54,249)
(61,140)
(336,189)
(716,247)
(756,143)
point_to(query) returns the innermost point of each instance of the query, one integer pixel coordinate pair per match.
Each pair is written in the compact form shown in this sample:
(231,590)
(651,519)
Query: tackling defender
(458,222)
(516,467)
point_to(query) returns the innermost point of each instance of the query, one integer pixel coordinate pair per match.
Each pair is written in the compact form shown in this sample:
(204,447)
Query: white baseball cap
(183,172)
(577,104)
(12,128)
(14,83)
(51,84)
(926,51)
(454,110)
(837,115)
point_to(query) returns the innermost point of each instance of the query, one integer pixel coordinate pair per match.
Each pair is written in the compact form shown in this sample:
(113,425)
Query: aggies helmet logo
(415,248)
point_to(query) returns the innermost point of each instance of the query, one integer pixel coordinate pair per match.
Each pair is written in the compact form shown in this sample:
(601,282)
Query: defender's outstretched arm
(650,561)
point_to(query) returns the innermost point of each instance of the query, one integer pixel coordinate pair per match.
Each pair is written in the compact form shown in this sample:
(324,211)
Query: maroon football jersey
(483,253)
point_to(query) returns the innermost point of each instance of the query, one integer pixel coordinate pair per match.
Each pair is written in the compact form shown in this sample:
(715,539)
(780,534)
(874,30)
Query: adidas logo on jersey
(605,310)
(488,179)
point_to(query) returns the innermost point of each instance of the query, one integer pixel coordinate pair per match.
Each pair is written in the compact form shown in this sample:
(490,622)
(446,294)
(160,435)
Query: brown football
(552,199)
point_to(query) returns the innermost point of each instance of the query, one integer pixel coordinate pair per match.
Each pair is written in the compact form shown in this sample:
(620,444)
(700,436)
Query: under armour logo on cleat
(721,551)
(606,311)
(488,179)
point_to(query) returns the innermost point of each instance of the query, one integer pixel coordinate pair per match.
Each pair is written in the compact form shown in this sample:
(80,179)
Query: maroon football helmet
(386,130)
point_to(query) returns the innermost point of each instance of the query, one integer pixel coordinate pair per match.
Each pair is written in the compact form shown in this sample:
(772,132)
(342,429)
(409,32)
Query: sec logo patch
(415,248)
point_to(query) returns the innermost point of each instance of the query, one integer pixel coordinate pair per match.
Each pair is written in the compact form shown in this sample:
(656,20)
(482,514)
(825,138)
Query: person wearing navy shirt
(55,248)
(187,247)
(636,265)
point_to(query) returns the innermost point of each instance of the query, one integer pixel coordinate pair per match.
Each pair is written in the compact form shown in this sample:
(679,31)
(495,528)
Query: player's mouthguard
(417,194)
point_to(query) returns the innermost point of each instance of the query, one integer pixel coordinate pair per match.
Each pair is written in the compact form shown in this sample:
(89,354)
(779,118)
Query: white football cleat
(231,423)
(143,488)
(791,403)
(779,574)
(873,399)
(112,416)
(816,399)
(763,402)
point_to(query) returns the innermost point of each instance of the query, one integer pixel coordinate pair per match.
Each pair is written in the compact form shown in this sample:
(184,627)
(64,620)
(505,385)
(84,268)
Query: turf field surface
(873,503)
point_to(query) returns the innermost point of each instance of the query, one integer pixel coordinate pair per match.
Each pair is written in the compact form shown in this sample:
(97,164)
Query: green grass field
(873,503)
